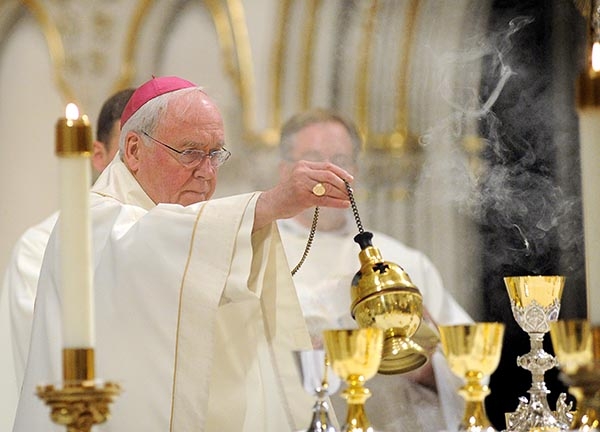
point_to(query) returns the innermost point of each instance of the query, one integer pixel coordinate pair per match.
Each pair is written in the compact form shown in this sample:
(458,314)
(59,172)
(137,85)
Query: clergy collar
(117,182)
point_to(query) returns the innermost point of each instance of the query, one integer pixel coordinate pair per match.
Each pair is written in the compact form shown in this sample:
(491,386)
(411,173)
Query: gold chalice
(535,303)
(473,351)
(577,347)
(355,356)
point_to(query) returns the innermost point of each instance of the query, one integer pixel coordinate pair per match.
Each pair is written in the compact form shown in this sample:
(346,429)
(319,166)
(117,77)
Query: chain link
(311,237)
(354,208)
(313,227)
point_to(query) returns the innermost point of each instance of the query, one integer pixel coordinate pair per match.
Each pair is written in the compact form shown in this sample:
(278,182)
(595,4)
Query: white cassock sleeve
(191,309)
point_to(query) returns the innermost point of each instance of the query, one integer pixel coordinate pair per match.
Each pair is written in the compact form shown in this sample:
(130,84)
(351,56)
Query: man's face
(322,142)
(325,142)
(191,121)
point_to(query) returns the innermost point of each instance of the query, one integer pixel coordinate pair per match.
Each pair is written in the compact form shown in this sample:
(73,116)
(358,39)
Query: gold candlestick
(577,347)
(80,403)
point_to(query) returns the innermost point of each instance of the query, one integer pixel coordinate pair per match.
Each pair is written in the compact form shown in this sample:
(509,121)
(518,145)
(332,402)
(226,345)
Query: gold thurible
(383,296)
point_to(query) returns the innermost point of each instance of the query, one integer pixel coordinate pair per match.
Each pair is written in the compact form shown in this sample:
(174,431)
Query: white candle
(589,129)
(73,148)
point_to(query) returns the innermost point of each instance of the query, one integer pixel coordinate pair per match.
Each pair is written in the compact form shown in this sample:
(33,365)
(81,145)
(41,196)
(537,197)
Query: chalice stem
(357,420)
(538,361)
(475,417)
(320,421)
(474,393)
(356,395)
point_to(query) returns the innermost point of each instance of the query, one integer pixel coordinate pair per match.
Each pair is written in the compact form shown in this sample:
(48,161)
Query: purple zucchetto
(151,89)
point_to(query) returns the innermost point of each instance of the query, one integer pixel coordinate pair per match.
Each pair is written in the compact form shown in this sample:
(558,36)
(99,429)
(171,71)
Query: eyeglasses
(191,158)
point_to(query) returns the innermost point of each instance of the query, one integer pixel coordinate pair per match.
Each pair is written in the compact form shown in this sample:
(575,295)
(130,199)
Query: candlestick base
(82,401)
(79,405)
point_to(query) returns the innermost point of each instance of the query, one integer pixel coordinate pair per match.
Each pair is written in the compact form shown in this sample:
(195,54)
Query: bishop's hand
(307,184)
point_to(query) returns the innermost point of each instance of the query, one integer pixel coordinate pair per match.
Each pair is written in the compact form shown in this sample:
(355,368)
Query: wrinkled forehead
(326,137)
(193,110)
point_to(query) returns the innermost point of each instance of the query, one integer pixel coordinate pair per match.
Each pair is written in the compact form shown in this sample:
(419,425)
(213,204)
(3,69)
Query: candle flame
(71,111)
(596,56)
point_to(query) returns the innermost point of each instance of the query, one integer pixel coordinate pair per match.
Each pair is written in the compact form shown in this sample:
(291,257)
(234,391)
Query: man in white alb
(410,402)
(195,312)
(22,272)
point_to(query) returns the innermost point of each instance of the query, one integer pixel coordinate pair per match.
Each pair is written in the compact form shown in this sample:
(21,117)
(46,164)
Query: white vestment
(16,313)
(195,317)
(323,285)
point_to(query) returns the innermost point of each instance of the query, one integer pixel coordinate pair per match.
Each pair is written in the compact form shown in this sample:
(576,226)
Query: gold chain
(313,227)
(311,237)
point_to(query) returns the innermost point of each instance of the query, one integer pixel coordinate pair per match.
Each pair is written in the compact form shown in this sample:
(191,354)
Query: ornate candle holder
(314,366)
(473,352)
(535,302)
(355,356)
(79,404)
(577,347)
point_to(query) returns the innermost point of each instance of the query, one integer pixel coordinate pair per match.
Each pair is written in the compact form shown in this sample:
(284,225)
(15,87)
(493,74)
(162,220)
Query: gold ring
(319,189)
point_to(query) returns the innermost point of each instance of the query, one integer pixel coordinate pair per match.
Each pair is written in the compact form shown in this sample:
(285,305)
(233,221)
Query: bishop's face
(191,121)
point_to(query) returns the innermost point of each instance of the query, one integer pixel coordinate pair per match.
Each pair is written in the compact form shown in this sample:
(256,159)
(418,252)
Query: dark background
(532,222)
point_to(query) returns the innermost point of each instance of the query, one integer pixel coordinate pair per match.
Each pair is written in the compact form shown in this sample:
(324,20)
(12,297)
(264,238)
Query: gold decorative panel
(355,56)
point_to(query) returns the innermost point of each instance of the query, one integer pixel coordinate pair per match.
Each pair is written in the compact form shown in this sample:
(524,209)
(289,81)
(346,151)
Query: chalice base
(79,405)
(535,415)
(584,384)
(475,418)
(357,420)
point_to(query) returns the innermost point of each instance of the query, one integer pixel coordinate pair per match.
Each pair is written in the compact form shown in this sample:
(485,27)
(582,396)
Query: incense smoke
(514,191)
